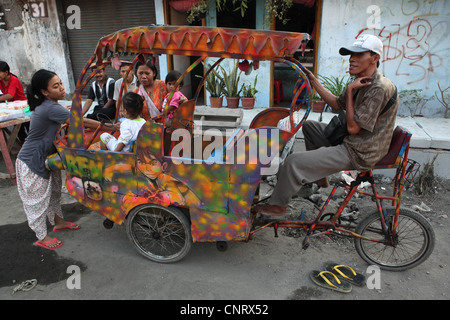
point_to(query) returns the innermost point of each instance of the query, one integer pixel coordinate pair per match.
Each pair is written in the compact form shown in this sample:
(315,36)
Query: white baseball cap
(363,43)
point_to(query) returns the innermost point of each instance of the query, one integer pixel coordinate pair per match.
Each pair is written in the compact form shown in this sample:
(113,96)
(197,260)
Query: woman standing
(40,189)
(152,89)
(10,86)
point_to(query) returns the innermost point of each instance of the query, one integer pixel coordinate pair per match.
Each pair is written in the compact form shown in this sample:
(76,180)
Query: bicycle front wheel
(160,234)
(413,244)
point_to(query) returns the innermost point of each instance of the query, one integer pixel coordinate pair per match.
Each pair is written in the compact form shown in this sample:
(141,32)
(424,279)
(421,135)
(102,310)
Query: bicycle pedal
(306,243)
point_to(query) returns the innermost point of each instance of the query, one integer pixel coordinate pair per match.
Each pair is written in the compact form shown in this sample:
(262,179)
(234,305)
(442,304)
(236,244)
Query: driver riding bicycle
(369,129)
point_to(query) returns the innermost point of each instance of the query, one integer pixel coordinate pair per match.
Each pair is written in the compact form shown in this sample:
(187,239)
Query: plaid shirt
(371,143)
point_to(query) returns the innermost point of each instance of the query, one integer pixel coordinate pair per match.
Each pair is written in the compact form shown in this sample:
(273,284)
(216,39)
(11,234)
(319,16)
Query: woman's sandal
(70,227)
(329,280)
(46,244)
(346,273)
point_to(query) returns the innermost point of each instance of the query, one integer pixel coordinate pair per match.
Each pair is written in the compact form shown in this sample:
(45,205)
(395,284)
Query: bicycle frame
(389,227)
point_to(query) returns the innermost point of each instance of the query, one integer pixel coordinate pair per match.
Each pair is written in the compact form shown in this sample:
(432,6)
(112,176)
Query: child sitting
(177,98)
(129,128)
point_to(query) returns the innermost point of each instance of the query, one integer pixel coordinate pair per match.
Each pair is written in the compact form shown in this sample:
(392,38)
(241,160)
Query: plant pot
(318,106)
(248,103)
(182,5)
(216,102)
(233,102)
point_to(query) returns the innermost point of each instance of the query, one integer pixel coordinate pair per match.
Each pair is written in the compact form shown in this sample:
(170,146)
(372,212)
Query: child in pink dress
(177,99)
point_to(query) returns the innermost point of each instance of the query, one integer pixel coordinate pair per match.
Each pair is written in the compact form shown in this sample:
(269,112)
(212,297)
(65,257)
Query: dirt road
(107,265)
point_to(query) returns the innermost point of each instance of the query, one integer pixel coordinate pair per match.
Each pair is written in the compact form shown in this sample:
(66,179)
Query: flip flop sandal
(346,273)
(329,280)
(45,244)
(71,227)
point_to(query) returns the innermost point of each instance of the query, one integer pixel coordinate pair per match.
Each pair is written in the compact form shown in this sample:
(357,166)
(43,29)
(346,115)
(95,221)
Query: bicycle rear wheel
(413,245)
(160,234)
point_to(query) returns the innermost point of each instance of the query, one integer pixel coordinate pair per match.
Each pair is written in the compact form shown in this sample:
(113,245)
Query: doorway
(304,17)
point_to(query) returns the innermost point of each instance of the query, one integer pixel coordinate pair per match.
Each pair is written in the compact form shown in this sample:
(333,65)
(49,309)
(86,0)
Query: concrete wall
(31,44)
(415,35)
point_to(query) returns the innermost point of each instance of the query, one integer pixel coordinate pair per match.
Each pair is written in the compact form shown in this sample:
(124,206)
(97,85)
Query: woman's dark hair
(173,76)
(149,64)
(133,103)
(4,67)
(39,82)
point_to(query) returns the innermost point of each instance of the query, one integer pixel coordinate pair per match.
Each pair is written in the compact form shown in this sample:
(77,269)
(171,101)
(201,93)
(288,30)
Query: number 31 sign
(38,9)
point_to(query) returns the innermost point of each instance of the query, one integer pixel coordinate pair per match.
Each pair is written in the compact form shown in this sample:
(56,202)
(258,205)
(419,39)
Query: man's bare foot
(323,183)
(270,210)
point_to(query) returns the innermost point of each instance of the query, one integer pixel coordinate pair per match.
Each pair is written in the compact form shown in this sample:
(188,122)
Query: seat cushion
(395,147)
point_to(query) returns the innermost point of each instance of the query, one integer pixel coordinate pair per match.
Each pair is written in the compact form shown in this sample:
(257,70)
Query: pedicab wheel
(160,234)
(222,246)
(413,244)
(108,224)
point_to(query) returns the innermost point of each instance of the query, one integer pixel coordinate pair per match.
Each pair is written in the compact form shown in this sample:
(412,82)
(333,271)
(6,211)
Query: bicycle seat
(397,148)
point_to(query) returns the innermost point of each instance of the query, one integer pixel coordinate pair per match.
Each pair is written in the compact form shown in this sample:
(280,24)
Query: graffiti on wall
(412,46)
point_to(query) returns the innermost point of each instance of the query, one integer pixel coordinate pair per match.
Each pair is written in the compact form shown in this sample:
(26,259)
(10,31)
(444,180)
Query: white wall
(415,35)
(162,59)
(36,44)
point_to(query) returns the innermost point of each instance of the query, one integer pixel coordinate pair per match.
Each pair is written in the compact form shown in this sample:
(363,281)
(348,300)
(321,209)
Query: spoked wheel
(413,244)
(160,234)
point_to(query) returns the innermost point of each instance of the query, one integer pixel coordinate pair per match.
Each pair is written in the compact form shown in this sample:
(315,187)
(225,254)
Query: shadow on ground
(24,261)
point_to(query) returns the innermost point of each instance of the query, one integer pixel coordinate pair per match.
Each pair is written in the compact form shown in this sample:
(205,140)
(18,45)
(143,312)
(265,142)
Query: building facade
(60,35)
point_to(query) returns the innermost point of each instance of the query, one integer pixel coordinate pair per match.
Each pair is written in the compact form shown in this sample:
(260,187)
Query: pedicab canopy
(217,191)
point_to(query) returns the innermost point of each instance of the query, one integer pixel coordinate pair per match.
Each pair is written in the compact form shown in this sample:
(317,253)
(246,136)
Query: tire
(414,244)
(160,234)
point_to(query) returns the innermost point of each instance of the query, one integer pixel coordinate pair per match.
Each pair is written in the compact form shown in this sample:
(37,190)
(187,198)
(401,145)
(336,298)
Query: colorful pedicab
(179,186)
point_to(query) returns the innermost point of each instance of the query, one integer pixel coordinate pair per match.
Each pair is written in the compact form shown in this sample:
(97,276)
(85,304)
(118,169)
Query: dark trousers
(101,113)
(320,160)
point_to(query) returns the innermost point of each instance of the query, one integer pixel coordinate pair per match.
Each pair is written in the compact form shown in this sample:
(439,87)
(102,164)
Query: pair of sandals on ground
(55,243)
(337,277)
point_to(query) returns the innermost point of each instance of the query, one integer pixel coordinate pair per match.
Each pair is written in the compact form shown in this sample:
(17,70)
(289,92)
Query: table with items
(12,116)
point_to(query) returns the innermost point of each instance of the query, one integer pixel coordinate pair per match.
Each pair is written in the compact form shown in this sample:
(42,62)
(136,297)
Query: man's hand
(360,83)
(308,72)
(326,95)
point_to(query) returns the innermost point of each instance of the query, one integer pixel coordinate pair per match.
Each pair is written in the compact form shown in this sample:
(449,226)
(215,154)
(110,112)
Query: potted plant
(248,95)
(197,11)
(275,9)
(318,105)
(336,85)
(231,88)
(214,85)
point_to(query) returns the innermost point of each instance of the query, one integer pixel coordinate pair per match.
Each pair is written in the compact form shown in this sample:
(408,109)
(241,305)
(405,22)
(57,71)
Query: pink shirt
(175,102)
